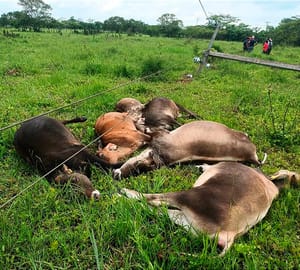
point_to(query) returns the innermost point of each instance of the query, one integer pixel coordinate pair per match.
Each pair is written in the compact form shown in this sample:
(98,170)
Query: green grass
(49,227)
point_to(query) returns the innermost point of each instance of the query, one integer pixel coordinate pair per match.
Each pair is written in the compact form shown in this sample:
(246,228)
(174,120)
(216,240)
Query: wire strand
(63,162)
(80,100)
(204,11)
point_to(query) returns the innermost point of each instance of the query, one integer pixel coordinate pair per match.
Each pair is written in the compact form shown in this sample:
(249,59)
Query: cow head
(78,180)
(285,178)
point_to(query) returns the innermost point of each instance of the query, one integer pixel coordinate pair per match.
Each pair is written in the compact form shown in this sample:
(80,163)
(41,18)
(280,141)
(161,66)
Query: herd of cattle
(226,200)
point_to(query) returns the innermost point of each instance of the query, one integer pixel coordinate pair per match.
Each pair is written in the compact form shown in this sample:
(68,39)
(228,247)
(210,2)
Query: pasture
(49,227)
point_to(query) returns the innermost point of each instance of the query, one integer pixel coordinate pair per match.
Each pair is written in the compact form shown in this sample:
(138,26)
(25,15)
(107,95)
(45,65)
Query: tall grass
(50,227)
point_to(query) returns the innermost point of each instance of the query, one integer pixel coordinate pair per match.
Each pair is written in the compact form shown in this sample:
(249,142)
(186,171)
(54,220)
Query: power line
(79,101)
(63,162)
(204,11)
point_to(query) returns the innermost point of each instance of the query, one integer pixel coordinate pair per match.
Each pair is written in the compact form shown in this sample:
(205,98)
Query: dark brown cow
(119,136)
(225,202)
(198,140)
(45,143)
(158,114)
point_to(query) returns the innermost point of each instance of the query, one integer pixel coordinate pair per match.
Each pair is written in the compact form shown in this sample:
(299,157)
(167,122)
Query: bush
(151,68)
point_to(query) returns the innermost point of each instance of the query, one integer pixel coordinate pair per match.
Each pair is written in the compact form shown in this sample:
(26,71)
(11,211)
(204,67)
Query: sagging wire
(59,165)
(80,100)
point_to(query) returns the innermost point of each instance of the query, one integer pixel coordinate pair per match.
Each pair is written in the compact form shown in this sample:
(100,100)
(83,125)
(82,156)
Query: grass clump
(152,68)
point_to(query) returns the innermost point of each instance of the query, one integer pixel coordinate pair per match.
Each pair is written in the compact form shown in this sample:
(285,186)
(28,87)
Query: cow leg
(144,161)
(179,218)
(163,199)
(203,167)
(225,241)
(157,199)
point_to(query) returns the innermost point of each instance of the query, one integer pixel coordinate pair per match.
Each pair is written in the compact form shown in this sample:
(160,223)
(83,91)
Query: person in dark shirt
(252,42)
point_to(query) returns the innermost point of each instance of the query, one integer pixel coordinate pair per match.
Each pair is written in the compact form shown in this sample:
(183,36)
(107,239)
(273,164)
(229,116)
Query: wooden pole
(253,60)
(206,53)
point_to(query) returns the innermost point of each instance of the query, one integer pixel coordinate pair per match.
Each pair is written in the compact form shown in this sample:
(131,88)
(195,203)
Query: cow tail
(78,119)
(190,113)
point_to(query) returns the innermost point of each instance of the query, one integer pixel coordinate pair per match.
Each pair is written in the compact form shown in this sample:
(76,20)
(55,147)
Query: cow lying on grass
(225,202)
(158,114)
(45,143)
(198,140)
(119,137)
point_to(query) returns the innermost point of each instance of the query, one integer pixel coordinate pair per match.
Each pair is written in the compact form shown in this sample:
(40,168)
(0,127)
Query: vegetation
(51,227)
(36,15)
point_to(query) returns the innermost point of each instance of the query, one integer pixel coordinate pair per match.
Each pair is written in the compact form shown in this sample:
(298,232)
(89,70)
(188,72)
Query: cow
(225,202)
(46,143)
(201,140)
(119,137)
(160,113)
(130,105)
(134,109)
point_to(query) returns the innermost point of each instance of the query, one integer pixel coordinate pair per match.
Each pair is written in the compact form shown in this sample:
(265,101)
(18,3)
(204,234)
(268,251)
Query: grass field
(49,227)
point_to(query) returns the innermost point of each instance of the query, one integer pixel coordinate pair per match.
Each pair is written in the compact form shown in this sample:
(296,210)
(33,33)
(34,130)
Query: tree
(170,25)
(288,31)
(222,20)
(133,26)
(114,24)
(37,11)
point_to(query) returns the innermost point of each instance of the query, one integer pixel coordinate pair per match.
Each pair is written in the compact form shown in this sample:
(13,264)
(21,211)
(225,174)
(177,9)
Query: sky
(255,13)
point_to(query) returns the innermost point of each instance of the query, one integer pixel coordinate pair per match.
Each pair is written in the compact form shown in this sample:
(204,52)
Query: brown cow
(198,140)
(160,113)
(46,143)
(225,202)
(119,136)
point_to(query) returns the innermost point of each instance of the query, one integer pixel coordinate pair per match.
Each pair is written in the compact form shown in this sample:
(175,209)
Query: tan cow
(119,136)
(225,202)
(198,140)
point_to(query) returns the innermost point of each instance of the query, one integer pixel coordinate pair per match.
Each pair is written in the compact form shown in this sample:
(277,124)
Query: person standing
(265,46)
(270,45)
(245,44)
(251,44)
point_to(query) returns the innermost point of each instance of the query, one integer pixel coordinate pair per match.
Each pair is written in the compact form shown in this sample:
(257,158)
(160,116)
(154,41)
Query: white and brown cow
(198,140)
(119,136)
(225,202)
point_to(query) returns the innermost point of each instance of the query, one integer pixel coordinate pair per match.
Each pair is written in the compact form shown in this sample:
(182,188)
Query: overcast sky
(255,13)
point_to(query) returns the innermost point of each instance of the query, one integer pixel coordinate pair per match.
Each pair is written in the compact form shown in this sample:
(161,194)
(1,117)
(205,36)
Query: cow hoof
(95,195)
(132,194)
(117,174)
(203,167)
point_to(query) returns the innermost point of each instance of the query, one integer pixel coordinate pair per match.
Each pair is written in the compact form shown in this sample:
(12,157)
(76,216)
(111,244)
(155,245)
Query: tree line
(36,16)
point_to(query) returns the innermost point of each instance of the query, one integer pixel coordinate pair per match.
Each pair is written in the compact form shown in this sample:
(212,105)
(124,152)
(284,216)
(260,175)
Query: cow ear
(66,169)
(61,178)
(294,181)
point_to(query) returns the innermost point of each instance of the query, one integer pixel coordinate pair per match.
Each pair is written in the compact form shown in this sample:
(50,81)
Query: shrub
(92,69)
(151,68)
